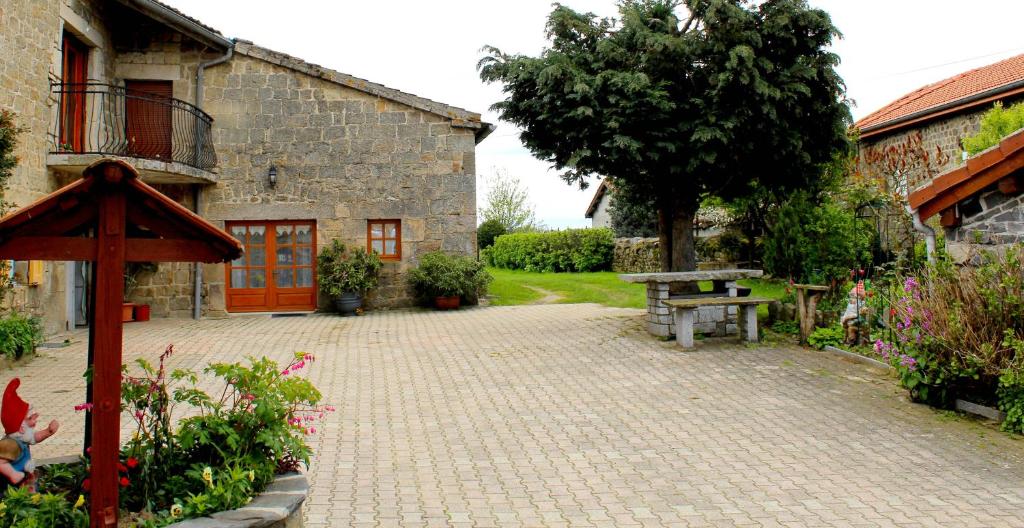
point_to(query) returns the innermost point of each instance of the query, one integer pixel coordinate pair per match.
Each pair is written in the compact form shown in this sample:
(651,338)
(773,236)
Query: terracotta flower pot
(127,312)
(450,302)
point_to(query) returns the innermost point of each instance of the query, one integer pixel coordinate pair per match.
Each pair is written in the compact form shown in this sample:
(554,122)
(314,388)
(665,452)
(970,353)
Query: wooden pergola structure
(110,217)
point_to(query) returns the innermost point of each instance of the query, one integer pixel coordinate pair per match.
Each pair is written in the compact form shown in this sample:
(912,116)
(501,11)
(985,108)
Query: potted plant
(346,275)
(445,280)
(132,272)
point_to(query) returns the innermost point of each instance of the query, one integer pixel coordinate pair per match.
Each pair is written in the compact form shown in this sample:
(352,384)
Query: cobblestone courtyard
(561,415)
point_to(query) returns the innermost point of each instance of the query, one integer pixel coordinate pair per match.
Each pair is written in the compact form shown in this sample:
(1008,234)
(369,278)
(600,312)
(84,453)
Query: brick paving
(571,415)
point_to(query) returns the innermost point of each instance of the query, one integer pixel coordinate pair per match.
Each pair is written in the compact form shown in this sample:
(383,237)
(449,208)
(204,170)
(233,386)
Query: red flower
(124,481)
(86,484)
(132,462)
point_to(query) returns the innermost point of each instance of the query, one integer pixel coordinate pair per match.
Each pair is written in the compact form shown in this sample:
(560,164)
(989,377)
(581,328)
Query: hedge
(554,251)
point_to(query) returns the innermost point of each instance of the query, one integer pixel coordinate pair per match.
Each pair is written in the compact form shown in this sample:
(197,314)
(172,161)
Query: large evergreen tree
(677,108)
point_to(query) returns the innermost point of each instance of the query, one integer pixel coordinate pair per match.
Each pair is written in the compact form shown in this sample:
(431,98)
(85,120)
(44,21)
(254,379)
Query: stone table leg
(684,326)
(659,316)
(749,323)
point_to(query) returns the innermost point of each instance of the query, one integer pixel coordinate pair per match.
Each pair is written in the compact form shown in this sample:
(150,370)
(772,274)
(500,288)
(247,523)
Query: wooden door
(277,271)
(74,74)
(148,112)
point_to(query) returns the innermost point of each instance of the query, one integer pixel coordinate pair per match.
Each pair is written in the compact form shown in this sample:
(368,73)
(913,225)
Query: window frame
(384,238)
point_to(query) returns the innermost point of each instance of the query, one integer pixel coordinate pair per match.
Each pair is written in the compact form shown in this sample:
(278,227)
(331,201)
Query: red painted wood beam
(48,248)
(106,346)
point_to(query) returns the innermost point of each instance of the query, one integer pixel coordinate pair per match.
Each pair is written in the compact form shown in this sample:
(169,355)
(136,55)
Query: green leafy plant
(227,449)
(488,231)
(342,270)
(996,124)
(828,336)
(569,250)
(786,327)
(442,275)
(19,335)
(24,509)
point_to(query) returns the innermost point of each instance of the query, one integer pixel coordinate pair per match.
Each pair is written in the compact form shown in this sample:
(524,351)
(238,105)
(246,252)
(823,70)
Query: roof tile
(960,86)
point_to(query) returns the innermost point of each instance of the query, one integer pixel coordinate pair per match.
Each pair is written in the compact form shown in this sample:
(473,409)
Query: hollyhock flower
(132,462)
(124,482)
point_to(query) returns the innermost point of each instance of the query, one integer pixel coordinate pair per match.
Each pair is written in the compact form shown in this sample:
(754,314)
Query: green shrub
(487,232)
(786,327)
(996,124)
(19,335)
(230,446)
(828,336)
(810,242)
(442,275)
(340,270)
(1011,399)
(572,250)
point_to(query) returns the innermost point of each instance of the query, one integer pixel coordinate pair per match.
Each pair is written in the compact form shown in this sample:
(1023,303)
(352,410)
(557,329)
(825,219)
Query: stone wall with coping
(991,219)
(343,156)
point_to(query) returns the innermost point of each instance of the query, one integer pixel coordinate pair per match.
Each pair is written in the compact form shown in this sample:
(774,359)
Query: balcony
(168,140)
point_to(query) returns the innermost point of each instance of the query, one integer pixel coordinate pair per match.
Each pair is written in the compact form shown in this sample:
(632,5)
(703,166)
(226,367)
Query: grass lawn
(604,287)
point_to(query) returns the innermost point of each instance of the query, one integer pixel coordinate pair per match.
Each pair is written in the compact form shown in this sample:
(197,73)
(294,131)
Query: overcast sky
(430,48)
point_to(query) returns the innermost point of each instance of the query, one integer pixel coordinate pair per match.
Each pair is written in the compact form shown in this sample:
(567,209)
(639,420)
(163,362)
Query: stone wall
(636,255)
(991,219)
(343,156)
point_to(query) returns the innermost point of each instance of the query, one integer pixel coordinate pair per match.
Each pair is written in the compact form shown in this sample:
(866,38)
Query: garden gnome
(19,421)
(849,319)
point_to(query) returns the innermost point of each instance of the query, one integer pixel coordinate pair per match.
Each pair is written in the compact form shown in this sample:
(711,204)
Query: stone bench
(683,310)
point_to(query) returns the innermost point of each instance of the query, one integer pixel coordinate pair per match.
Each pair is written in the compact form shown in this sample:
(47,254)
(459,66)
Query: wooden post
(106,342)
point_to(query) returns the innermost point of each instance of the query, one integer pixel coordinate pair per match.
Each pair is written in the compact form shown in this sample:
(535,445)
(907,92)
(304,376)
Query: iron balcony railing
(96,118)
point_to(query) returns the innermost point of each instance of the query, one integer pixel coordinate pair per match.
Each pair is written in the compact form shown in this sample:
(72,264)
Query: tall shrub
(555,251)
(996,124)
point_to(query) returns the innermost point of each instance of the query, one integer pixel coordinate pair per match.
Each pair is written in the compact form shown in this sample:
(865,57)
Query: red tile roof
(959,88)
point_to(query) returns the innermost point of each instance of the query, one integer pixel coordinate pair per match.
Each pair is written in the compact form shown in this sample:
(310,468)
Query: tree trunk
(676,237)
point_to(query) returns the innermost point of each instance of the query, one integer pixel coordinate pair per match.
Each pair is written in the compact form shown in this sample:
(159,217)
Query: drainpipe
(197,294)
(928,232)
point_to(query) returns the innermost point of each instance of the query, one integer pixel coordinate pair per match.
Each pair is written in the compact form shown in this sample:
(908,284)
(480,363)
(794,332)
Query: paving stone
(572,415)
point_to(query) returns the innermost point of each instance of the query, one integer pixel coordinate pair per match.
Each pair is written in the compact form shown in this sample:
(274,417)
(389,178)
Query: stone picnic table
(712,319)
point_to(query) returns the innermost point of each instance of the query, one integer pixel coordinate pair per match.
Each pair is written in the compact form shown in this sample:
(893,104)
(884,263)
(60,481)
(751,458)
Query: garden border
(278,506)
(990,413)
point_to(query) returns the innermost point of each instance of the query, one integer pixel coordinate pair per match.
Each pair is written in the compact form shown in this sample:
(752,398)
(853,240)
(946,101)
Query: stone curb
(276,506)
(857,357)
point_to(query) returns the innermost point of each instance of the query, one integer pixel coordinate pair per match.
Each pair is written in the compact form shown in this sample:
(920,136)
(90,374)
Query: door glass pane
(304,277)
(257,256)
(378,246)
(304,234)
(390,231)
(256,234)
(283,278)
(239,233)
(284,255)
(257,278)
(390,248)
(304,256)
(376,230)
(284,235)
(238,278)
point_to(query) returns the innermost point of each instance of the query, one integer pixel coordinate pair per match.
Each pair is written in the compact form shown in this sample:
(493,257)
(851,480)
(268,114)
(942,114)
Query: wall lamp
(272,176)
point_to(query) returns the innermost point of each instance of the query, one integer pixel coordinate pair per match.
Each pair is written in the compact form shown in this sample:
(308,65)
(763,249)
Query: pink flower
(83,407)
(312,429)
(284,372)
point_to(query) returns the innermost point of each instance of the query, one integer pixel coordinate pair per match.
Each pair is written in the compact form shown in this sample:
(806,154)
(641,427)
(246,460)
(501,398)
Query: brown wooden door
(148,109)
(74,74)
(277,271)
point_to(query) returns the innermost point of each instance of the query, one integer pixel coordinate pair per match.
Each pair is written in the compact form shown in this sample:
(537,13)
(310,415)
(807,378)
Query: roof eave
(1006,90)
(176,21)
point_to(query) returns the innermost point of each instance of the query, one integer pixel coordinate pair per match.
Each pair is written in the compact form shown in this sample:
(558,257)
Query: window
(385,237)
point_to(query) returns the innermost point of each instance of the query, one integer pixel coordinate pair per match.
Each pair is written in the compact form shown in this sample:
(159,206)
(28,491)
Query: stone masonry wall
(997,219)
(342,156)
(636,255)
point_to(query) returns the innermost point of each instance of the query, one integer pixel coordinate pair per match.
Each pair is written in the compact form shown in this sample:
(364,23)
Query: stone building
(980,202)
(283,154)
(925,127)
